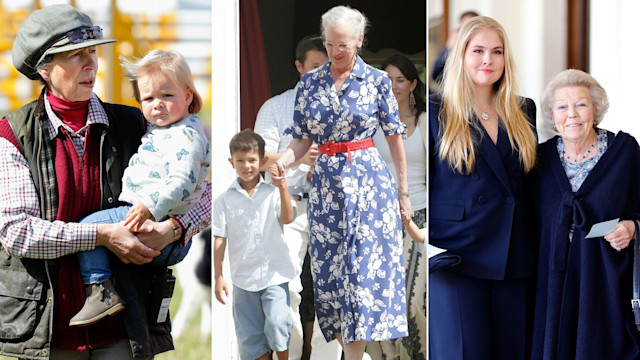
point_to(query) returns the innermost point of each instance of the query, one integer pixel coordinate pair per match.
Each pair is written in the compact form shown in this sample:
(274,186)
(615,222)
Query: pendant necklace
(484,116)
(576,159)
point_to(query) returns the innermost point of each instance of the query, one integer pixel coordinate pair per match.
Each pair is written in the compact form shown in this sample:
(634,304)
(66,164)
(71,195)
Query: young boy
(251,214)
(163,178)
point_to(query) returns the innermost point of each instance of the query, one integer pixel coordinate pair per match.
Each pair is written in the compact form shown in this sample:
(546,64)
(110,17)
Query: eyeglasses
(79,35)
(331,46)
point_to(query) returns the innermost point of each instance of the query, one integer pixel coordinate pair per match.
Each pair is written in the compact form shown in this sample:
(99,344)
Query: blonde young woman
(481,145)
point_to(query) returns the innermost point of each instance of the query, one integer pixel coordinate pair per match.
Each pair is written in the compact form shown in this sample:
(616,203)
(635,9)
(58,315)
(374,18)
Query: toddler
(163,178)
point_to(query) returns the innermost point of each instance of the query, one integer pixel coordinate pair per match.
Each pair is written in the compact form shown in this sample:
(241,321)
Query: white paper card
(603,228)
(433,251)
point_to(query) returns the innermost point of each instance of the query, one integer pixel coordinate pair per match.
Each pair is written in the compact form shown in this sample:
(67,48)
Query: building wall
(614,55)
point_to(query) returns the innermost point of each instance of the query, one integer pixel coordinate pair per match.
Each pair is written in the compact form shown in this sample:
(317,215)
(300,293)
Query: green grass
(190,345)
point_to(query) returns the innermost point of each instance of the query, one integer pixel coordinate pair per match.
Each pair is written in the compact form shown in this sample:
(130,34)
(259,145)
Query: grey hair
(46,61)
(344,15)
(573,77)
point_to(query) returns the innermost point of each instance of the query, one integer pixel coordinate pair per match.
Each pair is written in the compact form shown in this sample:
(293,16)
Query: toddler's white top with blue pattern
(166,173)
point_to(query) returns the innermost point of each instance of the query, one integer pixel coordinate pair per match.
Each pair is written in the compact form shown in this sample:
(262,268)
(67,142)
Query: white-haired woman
(585,175)
(354,217)
(481,144)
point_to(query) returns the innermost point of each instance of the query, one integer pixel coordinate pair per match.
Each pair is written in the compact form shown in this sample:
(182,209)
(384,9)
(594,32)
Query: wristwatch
(404,192)
(177,229)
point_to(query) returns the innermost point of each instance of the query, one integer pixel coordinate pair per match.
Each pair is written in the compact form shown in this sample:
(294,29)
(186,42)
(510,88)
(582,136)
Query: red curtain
(254,74)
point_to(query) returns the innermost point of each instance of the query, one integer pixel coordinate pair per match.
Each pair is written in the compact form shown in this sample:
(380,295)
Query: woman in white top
(409,92)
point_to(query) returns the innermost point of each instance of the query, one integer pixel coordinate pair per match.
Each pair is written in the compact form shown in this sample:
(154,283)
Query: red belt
(331,148)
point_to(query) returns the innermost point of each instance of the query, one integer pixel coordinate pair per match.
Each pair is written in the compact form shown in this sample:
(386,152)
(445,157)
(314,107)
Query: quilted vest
(26,296)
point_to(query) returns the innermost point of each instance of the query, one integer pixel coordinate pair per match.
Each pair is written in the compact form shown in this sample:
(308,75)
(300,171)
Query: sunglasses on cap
(79,35)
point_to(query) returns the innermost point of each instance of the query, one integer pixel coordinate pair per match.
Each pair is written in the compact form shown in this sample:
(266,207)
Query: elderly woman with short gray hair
(585,175)
(354,204)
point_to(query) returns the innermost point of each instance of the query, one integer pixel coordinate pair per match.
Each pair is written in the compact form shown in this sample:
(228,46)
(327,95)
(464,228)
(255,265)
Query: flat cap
(44,28)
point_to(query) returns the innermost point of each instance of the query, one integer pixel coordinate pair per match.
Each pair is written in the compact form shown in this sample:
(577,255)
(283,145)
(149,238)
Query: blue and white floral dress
(354,218)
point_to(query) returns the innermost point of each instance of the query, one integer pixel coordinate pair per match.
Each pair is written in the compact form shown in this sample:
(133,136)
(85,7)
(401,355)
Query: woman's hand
(156,235)
(405,208)
(621,235)
(120,241)
(277,174)
(296,151)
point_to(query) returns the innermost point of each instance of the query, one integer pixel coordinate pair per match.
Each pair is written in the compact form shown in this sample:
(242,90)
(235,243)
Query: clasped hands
(277,175)
(405,208)
(139,247)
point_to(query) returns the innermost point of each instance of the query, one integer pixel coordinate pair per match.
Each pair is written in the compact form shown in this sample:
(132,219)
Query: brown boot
(102,300)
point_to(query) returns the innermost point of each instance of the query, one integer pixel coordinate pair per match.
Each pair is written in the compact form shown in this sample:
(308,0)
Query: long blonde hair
(457,145)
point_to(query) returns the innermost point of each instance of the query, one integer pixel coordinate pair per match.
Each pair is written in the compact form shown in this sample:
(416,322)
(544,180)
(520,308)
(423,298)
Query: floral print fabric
(354,218)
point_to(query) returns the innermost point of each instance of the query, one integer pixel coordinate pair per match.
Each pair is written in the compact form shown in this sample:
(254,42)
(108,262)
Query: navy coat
(583,292)
(482,216)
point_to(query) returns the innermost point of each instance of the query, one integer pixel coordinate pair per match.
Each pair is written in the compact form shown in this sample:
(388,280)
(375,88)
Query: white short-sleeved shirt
(258,254)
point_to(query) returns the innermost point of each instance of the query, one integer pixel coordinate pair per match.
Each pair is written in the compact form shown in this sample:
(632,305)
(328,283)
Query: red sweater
(73,113)
(78,181)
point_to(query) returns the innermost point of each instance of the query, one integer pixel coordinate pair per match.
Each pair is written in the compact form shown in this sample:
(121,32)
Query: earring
(412,100)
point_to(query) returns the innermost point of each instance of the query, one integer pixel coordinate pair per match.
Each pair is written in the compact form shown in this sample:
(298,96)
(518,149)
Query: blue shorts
(262,320)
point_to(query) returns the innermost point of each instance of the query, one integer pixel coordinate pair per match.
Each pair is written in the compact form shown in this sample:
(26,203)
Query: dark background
(395,27)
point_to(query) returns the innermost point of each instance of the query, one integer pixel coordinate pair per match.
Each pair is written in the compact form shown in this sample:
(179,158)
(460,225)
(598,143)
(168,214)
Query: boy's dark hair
(312,42)
(247,140)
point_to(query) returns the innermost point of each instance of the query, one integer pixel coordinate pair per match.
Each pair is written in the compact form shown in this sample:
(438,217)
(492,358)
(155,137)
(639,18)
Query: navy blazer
(482,216)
